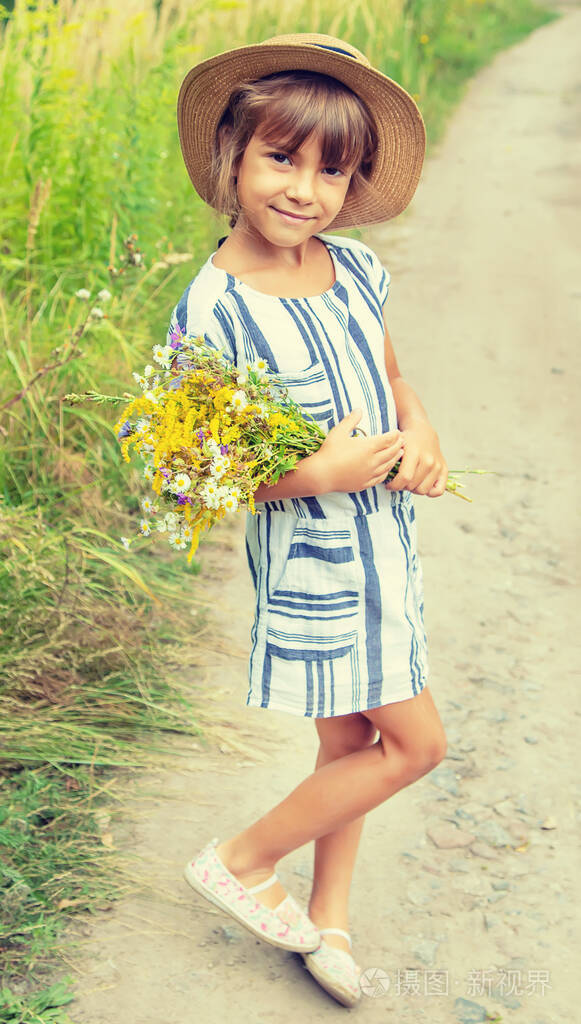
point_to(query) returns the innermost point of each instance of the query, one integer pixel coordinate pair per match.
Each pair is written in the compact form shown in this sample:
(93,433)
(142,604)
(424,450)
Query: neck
(245,239)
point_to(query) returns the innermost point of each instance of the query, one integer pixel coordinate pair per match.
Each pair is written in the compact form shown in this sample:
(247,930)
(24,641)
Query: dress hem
(337,714)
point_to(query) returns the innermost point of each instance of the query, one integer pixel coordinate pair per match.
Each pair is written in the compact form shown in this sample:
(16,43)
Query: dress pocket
(319,583)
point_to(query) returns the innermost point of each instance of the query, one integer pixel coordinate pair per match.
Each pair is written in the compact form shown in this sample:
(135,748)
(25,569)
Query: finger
(385,465)
(439,487)
(385,441)
(426,480)
(406,472)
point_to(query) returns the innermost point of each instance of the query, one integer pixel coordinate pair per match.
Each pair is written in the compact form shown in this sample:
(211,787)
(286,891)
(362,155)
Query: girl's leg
(411,742)
(336,852)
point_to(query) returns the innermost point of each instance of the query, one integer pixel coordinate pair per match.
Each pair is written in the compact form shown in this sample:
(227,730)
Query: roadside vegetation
(100,232)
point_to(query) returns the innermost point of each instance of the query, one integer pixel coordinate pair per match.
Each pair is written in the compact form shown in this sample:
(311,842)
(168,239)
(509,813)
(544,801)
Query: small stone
(493,833)
(490,921)
(501,885)
(495,715)
(518,830)
(505,808)
(231,934)
(468,1012)
(461,812)
(531,739)
(445,778)
(458,865)
(417,895)
(448,836)
(496,896)
(484,850)
(425,951)
(549,823)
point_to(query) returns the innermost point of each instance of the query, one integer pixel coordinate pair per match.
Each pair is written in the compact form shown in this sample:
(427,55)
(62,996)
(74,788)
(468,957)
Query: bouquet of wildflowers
(209,434)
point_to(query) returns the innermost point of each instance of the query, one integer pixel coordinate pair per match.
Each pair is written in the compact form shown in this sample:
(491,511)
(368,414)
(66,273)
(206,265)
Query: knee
(425,758)
(421,757)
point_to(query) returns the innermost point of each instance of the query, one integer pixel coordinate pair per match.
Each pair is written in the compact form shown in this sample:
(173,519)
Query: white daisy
(230,503)
(181,483)
(151,396)
(83,293)
(219,466)
(145,527)
(161,526)
(104,295)
(242,379)
(162,355)
(97,313)
(125,542)
(187,533)
(212,446)
(260,366)
(239,400)
(171,521)
(141,380)
(147,505)
(148,471)
(177,541)
(149,370)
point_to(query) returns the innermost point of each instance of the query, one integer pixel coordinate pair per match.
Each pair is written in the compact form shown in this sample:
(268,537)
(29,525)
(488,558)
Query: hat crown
(323,42)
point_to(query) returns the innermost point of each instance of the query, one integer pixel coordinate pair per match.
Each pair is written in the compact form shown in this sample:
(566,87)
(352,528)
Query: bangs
(299,104)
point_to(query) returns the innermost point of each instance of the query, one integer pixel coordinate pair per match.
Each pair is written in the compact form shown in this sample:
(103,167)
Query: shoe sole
(192,879)
(342,995)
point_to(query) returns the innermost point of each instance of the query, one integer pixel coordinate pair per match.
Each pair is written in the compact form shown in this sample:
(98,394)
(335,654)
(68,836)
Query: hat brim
(401,136)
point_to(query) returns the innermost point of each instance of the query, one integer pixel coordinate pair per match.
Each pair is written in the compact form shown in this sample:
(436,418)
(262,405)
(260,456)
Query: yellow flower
(223,397)
(424,39)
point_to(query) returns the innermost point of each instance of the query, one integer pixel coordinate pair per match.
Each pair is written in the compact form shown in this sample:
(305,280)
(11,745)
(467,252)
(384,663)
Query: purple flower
(165,473)
(182,499)
(125,430)
(200,435)
(224,449)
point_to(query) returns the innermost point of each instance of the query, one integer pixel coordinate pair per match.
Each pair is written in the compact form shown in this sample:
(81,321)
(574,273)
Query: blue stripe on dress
(362,282)
(252,330)
(372,611)
(309,681)
(321,682)
(335,555)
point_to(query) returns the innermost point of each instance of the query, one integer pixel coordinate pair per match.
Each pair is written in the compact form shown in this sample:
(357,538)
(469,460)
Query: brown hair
(288,107)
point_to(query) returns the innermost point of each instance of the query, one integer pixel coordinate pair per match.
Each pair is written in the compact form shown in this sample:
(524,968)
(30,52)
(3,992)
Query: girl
(291,137)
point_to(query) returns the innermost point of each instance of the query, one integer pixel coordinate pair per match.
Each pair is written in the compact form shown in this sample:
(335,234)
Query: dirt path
(485,313)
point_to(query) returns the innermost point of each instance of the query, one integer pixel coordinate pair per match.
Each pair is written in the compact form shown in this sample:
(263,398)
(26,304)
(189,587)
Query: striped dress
(338,624)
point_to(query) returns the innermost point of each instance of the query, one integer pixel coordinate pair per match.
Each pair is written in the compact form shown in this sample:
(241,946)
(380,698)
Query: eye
(334,172)
(279,158)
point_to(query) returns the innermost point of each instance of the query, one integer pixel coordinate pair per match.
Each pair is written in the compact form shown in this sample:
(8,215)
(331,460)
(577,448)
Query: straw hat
(401,135)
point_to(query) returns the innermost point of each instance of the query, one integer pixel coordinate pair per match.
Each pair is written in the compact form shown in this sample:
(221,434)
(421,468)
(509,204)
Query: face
(287,197)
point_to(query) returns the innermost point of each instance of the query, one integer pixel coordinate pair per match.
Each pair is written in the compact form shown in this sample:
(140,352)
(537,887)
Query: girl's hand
(423,468)
(353,463)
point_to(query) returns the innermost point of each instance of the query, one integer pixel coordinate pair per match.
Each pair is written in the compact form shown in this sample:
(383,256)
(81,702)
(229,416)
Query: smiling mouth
(293,216)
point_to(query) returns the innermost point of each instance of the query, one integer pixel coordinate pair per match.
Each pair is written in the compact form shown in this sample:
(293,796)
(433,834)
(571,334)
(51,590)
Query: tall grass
(94,196)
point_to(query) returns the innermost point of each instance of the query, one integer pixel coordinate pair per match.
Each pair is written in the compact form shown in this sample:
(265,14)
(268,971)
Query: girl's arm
(342,463)
(423,468)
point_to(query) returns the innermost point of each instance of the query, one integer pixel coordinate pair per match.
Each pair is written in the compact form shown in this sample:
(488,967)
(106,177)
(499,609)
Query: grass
(93,640)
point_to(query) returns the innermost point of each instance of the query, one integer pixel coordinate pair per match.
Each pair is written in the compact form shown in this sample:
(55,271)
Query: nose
(301,186)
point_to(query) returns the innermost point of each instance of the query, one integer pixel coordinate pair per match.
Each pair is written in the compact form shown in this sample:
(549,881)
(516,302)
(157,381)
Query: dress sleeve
(378,275)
